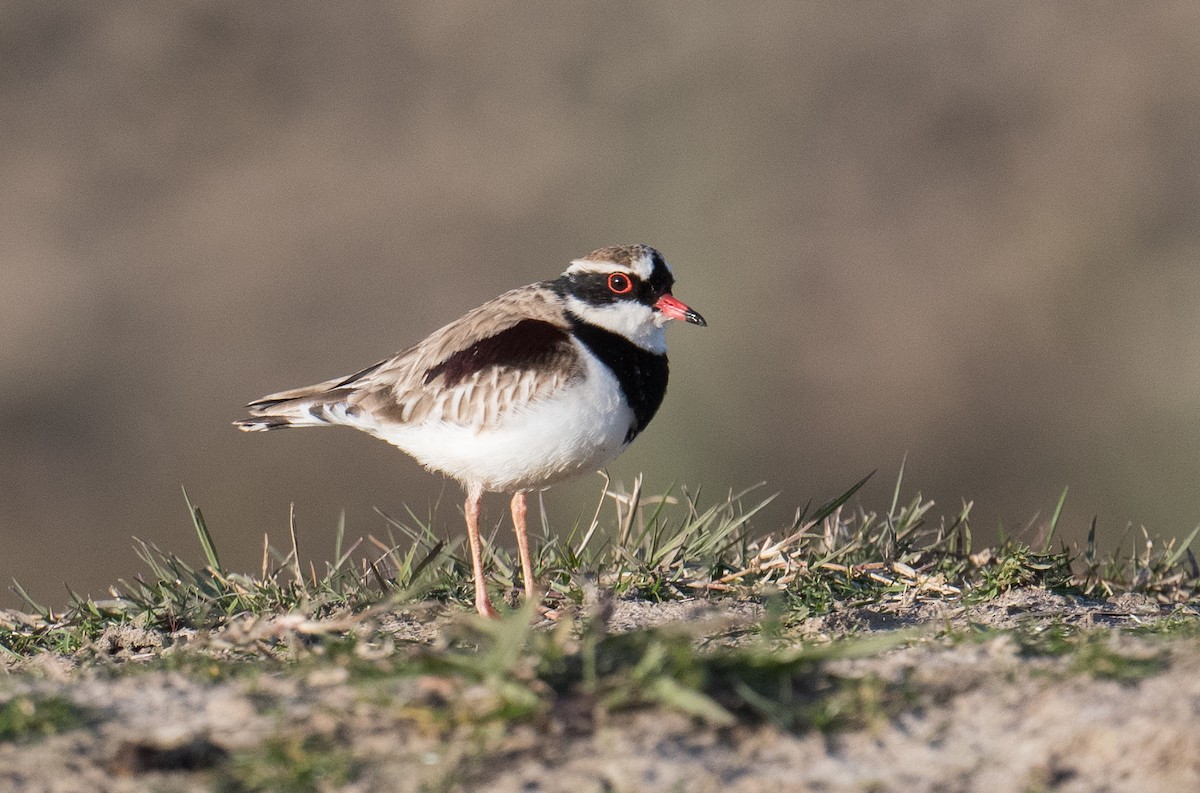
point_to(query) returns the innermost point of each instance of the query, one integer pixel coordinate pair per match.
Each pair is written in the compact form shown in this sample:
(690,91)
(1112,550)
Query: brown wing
(514,349)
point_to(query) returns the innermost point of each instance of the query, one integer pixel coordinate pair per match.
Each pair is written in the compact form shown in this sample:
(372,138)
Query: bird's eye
(620,284)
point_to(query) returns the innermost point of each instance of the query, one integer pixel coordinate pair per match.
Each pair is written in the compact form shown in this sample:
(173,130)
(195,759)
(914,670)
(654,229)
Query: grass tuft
(289,764)
(25,718)
(656,547)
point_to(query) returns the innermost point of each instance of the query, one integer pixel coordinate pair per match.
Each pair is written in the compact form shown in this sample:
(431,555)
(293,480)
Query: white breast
(579,428)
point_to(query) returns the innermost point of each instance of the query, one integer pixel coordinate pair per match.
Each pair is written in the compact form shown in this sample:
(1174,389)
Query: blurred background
(962,231)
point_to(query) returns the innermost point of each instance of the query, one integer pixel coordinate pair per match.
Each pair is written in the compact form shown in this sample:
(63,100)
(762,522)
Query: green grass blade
(206,540)
(896,490)
(1053,526)
(37,608)
(831,507)
(1174,556)
(338,537)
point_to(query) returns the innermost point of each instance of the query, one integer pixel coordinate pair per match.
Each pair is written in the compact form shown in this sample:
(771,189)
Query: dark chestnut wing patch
(530,344)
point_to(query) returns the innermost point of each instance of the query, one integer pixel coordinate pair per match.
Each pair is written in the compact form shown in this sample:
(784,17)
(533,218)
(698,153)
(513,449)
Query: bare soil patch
(980,697)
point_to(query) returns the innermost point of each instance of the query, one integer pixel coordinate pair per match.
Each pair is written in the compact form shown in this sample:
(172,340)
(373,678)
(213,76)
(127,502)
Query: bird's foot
(486,609)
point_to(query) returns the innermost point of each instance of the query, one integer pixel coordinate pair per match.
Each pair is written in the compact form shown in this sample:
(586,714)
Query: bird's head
(625,289)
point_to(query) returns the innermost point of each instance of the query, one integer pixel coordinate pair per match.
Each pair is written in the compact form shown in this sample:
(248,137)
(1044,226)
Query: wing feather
(512,350)
(515,349)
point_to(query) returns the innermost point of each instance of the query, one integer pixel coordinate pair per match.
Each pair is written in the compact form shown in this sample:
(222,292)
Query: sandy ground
(985,715)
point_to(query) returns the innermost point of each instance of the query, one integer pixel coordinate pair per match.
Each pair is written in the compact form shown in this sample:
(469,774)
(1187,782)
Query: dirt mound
(1031,690)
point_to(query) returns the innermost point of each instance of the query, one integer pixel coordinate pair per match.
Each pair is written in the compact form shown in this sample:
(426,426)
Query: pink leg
(519,511)
(472,509)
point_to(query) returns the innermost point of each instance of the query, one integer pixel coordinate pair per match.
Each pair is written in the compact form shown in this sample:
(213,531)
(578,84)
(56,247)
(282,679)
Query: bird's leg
(518,514)
(472,509)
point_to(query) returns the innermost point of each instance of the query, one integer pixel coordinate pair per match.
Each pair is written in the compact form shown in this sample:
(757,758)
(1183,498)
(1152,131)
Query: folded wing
(509,352)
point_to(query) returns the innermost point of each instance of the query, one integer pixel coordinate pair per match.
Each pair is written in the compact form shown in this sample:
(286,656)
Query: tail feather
(318,391)
(310,406)
(262,424)
(307,406)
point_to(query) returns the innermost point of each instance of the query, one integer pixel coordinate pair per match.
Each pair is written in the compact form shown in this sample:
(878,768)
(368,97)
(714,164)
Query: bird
(544,382)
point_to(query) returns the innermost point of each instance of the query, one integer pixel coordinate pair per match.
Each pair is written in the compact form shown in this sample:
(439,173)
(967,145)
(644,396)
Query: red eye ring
(620,284)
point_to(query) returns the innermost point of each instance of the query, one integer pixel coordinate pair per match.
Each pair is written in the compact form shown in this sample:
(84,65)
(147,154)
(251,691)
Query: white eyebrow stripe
(642,268)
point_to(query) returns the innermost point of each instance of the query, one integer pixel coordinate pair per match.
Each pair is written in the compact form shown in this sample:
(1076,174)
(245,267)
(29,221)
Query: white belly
(581,428)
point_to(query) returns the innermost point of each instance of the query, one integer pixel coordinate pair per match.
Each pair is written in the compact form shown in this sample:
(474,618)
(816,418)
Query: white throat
(637,322)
